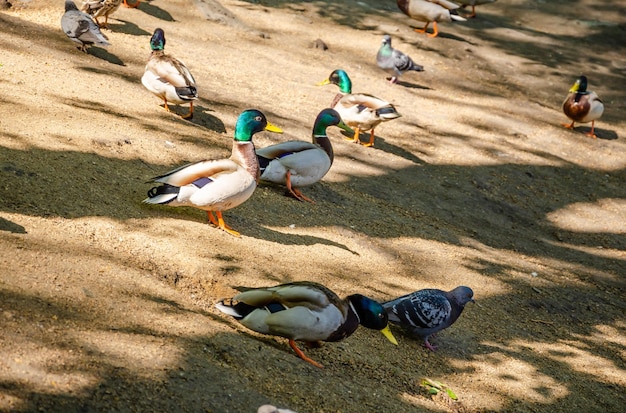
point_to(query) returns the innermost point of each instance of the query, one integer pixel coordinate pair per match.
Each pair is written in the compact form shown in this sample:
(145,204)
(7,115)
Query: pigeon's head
(69,5)
(387,40)
(157,41)
(463,295)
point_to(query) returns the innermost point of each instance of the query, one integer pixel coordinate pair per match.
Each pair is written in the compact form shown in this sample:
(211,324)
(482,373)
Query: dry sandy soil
(107,304)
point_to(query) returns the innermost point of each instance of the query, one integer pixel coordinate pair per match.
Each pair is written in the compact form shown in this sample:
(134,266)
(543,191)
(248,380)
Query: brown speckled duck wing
(171,70)
(303,294)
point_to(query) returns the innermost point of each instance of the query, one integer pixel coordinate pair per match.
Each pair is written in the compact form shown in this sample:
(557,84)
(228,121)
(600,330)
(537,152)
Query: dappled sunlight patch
(609,334)
(606,215)
(579,357)
(27,368)
(515,378)
(34,374)
(140,353)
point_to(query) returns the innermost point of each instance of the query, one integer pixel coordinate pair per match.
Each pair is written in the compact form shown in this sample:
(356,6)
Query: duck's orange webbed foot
(300,354)
(132,5)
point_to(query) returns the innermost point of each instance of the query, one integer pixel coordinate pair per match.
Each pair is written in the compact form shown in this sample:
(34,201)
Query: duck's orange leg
(167,108)
(590,133)
(132,6)
(435,31)
(190,114)
(219,222)
(424,29)
(371,142)
(295,192)
(300,354)
(568,125)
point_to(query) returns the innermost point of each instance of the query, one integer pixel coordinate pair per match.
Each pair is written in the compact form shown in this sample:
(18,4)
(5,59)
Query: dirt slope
(106,304)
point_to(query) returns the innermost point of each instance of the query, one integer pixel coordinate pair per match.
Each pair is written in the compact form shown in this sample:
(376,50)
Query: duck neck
(244,154)
(348,327)
(323,141)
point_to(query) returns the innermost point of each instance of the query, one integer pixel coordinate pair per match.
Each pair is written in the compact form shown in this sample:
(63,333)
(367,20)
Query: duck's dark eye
(381,315)
(258,118)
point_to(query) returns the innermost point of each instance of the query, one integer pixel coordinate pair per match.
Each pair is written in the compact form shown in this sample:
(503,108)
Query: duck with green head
(430,11)
(167,77)
(582,105)
(305,311)
(361,111)
(216,185)
(299,163)
(473,4)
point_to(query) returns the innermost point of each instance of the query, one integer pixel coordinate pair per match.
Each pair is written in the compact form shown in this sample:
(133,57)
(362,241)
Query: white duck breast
(305,161)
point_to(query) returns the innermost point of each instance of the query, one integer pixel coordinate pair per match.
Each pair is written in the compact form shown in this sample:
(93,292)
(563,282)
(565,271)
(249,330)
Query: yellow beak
(324,82)
(272,128)
(387,332)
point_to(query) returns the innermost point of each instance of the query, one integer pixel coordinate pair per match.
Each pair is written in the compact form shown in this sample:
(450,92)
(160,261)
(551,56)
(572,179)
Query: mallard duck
(582,106)
(473,3)
(394,61)
(100,8)
(80,28)
(216,185)
(430,11)
(305,311)
(167,77)
(360,111)
(300,163)
(428,311)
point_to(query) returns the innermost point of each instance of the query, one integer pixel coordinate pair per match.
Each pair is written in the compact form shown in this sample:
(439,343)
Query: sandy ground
(107,304)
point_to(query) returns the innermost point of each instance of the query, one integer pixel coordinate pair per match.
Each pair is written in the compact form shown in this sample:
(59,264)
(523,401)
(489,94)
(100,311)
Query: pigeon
(394,61)
(80,28)
(101,8)
(428,311)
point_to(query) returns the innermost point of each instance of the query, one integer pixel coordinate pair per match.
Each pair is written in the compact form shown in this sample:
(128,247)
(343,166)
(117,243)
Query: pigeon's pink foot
(429,346)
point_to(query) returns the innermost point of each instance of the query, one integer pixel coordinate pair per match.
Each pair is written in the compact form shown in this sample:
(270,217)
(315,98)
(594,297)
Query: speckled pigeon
(394,61)
(80,28)
(428,311)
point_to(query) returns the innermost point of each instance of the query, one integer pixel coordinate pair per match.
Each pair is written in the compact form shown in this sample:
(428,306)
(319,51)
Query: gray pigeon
(428,311)
(394,61)
(80,28)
